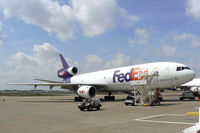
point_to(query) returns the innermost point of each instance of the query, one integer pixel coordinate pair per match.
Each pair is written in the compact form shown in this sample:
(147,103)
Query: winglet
(64,63)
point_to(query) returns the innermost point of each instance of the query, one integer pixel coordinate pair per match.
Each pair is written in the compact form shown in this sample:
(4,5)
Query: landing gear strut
(109,97)
(78,99)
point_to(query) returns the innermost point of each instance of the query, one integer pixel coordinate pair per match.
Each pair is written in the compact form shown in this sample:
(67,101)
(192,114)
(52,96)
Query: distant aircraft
(124,79)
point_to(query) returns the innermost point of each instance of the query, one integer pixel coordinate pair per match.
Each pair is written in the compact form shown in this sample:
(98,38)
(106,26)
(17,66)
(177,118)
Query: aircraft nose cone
(192,74)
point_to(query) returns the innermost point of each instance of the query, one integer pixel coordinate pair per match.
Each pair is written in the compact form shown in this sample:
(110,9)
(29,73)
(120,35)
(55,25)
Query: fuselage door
(168,76)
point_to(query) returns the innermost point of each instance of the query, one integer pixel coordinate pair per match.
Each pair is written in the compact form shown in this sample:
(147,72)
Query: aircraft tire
(112,98)
(98,108)
(106,98)
(82,109)
(80,99)
(160,99)
(109,98)
(89,109)
(76,99)
(128,97)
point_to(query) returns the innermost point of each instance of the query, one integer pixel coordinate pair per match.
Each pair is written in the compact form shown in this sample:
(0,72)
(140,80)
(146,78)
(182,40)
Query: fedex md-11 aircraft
(123,79)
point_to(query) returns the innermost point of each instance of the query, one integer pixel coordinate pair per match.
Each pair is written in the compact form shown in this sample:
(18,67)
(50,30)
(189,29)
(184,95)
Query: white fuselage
(168,75)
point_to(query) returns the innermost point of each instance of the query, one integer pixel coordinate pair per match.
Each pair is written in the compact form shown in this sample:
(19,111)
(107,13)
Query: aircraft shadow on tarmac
(177,100)
(170,104)
(50,101)
(163,103)
(65,100)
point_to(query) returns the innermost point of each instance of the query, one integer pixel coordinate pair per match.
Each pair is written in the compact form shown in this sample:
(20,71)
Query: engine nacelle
(72,70)
(64,73)
(87,91)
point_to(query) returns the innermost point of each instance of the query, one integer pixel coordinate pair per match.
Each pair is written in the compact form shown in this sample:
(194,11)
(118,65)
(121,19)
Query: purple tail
(64,63)
(67,72)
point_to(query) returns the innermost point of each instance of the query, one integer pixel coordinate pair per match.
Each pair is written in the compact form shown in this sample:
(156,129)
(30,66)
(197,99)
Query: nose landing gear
(109,97)
(78,99)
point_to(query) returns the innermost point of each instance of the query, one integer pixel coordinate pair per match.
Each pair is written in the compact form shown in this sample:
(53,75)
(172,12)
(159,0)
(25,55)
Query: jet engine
(72,70)
(69,72)
(87,91)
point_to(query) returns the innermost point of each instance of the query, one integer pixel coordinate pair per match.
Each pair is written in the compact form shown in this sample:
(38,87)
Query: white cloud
(131,43)
(183,36)
(193,39)
(45,13)
(118,60)
(44,60)
(94,62)
(94,17)
(23,59)
(167,50)
(44,56)
(43,63)
(93,58)
(141,36)
(90,63)
(45,51)
(193,8)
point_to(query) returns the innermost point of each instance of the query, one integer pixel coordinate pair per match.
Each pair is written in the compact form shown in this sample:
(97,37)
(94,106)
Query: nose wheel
(78,99)
(109,97)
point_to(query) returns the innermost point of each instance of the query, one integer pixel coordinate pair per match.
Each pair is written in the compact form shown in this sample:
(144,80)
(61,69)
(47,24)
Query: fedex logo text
(82,92)
(134,74)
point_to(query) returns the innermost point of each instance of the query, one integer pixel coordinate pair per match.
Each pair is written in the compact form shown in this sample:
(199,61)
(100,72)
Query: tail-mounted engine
(87,91)
(69,72)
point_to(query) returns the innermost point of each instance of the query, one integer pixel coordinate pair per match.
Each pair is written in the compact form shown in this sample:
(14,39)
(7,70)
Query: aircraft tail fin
(66,72)
(64,63)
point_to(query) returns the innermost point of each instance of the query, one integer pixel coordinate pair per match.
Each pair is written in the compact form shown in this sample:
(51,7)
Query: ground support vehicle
(89,104)
(187,95)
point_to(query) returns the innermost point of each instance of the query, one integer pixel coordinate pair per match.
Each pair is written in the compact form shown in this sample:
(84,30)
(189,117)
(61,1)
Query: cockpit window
(187,68)
(182,68)
(178,68)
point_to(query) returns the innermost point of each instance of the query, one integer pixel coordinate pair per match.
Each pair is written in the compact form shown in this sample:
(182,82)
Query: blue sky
(94,35)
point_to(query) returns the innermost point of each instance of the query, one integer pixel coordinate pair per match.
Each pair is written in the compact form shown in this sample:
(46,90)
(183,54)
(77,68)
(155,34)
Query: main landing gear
(109,97)
(78,99)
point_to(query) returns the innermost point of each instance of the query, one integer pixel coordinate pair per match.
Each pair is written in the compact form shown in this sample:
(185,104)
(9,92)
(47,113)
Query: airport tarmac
(59,114)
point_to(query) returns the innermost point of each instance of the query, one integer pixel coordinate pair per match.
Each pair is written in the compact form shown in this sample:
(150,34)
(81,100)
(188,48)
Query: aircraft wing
(49,81)
(193,83)
(70,86)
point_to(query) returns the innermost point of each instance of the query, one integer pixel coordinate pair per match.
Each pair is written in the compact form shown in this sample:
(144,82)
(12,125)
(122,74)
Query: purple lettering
(127,77)
(121,77)
(115,75)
